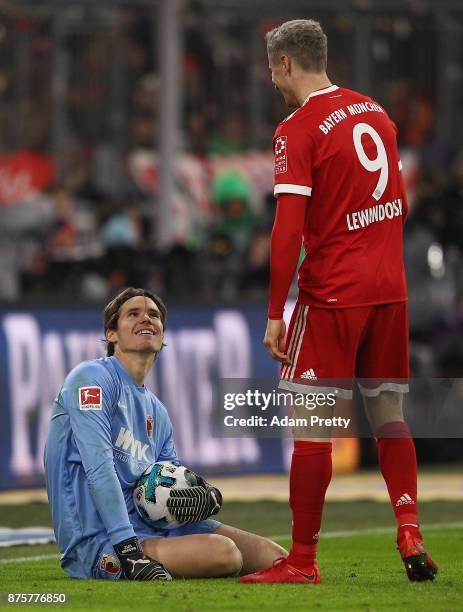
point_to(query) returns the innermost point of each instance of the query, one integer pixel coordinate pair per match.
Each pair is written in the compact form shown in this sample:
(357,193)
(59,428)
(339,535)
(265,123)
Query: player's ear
(286,61)
(111,335)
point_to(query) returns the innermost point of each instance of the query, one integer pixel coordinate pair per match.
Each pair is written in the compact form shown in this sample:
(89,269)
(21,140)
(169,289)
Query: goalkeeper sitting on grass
(106,429)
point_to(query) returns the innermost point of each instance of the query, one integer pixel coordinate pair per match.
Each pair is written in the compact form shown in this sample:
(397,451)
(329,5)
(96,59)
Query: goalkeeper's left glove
(138,566)
(192,504)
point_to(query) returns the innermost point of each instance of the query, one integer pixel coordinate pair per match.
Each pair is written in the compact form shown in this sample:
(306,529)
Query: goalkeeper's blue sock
(310,476)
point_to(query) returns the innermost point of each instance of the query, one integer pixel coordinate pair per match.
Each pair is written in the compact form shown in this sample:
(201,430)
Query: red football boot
(418,564)
(282,571)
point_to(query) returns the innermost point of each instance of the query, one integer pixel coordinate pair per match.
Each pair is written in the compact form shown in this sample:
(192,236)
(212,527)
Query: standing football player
(106,429)
(340,192)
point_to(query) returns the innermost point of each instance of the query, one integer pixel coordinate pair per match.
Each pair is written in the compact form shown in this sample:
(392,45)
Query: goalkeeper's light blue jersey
(104,432)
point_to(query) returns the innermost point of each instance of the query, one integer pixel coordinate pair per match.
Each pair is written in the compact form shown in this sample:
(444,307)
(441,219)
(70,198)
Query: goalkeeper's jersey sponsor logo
(127,442)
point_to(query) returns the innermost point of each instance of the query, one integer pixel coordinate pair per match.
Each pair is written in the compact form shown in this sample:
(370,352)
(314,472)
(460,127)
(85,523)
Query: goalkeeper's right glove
(136,565)
(192,504)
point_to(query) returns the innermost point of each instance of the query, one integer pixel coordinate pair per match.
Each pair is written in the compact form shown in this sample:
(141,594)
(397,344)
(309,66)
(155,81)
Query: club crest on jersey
(109,564)
(281,160)
(90,398)
(149,426)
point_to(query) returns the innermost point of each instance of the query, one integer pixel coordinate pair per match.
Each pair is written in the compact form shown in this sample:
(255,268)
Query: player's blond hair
(302,39)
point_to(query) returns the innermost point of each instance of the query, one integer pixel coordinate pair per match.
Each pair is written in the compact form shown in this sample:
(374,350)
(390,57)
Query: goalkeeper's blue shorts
(103,563)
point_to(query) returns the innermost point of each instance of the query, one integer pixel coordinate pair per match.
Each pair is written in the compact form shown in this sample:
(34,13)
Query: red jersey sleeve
(285,247)
(293,149)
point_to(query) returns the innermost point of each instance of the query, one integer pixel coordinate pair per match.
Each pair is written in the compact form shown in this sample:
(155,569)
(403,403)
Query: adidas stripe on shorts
(329,347)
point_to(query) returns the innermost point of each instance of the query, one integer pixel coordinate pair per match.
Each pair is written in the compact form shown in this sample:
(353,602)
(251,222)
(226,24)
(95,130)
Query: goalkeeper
(106,429)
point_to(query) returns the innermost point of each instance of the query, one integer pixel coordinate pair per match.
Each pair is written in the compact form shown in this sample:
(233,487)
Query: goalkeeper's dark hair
(112,311)
(302,39)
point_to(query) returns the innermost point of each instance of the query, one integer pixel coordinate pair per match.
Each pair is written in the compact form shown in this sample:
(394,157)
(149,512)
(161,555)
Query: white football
(152,490)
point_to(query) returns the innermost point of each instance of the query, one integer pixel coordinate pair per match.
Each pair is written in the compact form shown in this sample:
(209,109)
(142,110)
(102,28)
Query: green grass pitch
(361,570)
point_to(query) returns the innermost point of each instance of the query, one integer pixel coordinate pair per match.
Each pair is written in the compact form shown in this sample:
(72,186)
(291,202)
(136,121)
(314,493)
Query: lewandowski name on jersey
(339,150)
(380,212)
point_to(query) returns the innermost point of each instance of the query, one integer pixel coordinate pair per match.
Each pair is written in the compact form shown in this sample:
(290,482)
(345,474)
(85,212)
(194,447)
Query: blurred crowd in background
(79,143)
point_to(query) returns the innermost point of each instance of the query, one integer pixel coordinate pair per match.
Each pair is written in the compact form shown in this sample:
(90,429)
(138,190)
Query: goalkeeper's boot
(282,571)
(418,564)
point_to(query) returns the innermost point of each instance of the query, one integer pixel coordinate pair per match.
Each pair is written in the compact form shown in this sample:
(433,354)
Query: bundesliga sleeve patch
(90,398)
(281,162)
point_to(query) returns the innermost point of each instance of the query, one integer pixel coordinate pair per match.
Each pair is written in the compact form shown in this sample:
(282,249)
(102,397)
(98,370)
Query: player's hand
(192,504)
(136,565)
(274,340)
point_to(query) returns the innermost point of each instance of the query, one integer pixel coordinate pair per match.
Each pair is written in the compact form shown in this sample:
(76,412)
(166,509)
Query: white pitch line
(327,535)
(373,531)
(23,559)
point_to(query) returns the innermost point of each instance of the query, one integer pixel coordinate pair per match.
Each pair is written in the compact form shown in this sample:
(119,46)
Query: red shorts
(369,343)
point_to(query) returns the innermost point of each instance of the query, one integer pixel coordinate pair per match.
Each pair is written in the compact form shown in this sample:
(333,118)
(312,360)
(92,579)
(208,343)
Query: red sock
(397,460)
(310,476)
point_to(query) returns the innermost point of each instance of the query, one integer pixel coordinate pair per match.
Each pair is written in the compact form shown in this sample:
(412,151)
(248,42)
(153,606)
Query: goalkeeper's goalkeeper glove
(192,504)
(136,565)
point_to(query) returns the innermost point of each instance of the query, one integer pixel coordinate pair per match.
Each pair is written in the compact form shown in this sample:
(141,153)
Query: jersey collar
(320,92)
(125,374)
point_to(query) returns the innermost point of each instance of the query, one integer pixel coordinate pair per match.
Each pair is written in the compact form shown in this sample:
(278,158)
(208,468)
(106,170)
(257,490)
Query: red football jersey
(340,148)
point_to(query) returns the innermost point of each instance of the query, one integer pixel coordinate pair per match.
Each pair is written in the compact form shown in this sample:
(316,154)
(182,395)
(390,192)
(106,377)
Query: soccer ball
(152,490)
